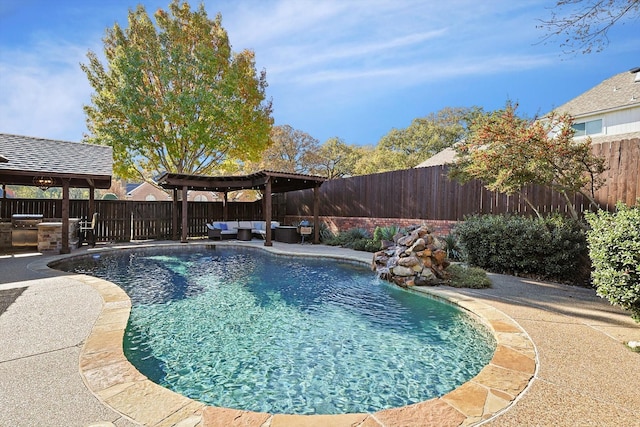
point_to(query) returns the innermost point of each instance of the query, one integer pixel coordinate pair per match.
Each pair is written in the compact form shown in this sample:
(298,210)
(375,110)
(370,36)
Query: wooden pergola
(49,163)
(269,182)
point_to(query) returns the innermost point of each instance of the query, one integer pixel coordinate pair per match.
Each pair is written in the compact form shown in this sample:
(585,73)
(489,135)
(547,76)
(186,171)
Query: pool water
(245,329)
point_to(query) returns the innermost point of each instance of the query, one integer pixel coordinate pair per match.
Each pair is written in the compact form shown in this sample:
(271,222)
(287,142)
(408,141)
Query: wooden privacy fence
(123,220)
(427,193)
(422,193)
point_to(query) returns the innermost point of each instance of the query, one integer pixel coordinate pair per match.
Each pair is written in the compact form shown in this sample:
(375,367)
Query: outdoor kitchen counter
(50,235)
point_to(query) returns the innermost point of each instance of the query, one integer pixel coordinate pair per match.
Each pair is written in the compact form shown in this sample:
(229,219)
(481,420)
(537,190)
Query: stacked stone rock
(417,258)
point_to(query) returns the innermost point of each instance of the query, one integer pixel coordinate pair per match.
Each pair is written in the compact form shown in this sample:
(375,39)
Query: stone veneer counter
(50,235)
(117,383)
(5,234)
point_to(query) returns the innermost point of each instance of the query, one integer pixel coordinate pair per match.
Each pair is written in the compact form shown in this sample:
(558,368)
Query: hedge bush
(360,239)
(614,248)
(354,238)
(552,248)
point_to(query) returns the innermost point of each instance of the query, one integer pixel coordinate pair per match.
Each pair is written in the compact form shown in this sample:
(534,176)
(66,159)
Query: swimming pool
(244,329)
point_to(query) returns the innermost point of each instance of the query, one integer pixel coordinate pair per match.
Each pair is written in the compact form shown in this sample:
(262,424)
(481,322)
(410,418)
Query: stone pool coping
(116,382)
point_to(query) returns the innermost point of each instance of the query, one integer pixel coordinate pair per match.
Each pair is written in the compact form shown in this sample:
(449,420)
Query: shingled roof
(446,156)
(618,92)
(83,164)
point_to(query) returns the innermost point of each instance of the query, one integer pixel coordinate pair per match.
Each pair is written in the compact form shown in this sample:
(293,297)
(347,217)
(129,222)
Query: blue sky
(353,69)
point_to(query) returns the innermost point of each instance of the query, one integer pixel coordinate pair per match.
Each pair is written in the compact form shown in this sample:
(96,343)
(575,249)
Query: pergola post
(65,249)
(267,212)
(174,215)
(92,201)
(183,238)
(225,207)
(4,201)
(316,210)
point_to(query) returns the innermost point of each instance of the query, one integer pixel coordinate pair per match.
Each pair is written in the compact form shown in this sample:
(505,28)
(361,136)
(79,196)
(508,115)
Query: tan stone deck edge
(118,384)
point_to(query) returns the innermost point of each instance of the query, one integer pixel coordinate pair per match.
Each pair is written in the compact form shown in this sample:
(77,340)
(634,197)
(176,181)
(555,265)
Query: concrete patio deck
(60,335)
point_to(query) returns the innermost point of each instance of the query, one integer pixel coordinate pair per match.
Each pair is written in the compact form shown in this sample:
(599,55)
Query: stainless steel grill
(24,230)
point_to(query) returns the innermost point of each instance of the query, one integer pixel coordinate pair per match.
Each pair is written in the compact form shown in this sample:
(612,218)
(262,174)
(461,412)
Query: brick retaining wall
(338,223)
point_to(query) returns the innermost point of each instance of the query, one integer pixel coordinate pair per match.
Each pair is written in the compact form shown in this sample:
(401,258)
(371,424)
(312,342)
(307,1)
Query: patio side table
(244,233)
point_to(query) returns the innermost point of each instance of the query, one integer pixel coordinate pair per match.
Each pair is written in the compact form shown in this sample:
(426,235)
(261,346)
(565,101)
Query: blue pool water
(245,329)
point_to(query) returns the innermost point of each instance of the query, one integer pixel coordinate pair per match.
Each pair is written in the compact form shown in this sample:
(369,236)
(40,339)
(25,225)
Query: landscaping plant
(386,233)
(552,248)
(454,251)
(360,239)
(508,153)
(463,276)
(326,235)
(614,248)
(351,238)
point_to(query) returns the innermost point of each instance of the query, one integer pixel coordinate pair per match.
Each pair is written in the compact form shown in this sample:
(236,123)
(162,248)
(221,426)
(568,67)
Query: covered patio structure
(46,163)
(269,182)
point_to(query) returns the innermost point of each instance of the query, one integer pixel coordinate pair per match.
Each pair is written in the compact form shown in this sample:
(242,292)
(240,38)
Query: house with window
(146,192)
(609,111)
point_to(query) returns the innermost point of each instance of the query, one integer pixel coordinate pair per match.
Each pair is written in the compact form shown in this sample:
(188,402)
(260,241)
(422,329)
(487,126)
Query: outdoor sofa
(229,229)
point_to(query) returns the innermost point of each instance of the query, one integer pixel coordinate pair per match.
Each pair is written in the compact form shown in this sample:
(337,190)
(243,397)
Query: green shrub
(462,276)
(348,237)
(367,245)
(356,234)
(326,234)
(552,248)
(386,233)
(454,251)
(614,248)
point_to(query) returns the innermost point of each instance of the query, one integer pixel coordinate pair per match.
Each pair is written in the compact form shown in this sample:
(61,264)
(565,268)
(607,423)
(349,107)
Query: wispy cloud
(42,91)
(306,57)
(327,61)
(319,42)
(454,68)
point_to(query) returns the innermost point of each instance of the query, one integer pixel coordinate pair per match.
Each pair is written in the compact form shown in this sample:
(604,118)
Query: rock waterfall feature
(417,258)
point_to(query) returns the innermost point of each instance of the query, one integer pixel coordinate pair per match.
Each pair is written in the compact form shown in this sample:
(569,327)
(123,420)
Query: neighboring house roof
(81,163)
(618,92)
(448,155)
(131,186)
(146,189)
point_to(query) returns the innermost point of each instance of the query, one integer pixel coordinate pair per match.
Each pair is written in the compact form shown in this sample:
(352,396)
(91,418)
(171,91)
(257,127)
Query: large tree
(290,150)
(583,25)
(378,159)
(424,137)
(507,153)
(174,97)
(336,159)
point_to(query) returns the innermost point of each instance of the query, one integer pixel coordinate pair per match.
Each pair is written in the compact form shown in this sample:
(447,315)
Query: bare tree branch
(583,25)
